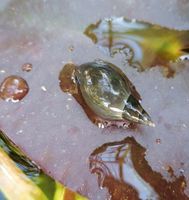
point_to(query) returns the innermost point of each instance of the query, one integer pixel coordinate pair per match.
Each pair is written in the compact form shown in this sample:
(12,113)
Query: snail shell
(109,93)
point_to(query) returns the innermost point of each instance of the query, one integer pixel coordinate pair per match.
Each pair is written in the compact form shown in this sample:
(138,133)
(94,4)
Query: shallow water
(122,169)
(49,125)
(142,45)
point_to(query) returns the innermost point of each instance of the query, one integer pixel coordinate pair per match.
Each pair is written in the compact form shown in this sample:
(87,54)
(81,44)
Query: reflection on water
(142,45)
(122,169)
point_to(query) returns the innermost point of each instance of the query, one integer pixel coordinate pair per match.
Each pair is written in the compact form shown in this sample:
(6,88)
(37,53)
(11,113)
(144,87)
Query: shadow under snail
(106,94)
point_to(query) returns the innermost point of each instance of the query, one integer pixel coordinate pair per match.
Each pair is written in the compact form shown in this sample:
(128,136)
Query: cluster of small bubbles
(13,88)
(27,67)
(158,141)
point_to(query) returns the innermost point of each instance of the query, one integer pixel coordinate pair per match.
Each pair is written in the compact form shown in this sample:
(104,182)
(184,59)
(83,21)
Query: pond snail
(106,94)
